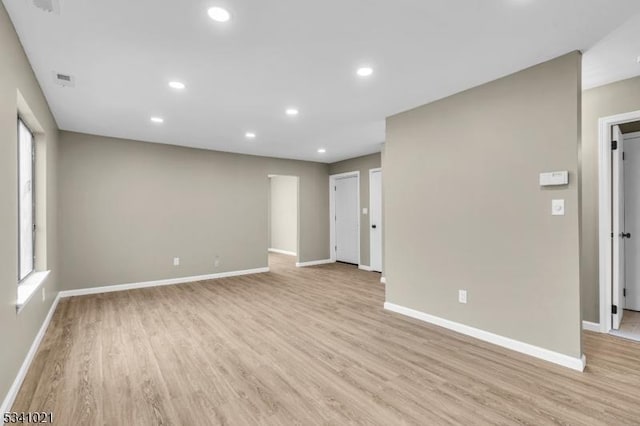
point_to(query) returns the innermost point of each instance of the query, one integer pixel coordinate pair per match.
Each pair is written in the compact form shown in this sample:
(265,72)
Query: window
(26,201)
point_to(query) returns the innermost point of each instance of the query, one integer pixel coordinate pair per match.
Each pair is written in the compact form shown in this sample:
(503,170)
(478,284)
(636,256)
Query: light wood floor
(303,346)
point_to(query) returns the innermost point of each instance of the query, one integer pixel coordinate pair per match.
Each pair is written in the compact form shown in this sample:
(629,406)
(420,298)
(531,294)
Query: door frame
(332,211)
(269,249)
(371,172)
(605,213)
(636,136)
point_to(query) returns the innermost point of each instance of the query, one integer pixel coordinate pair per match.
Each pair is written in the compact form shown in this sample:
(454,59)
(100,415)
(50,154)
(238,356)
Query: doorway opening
(619,209)
(345,217)
(283,221)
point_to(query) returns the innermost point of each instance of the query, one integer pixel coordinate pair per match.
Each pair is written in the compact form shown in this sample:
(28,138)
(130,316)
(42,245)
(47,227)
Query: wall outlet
(365,211)
(44,294)
(176,261)
(462,296)
(216,262)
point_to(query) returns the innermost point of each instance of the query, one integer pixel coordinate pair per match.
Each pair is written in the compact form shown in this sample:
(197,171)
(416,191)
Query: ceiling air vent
(64,80)
(50,6)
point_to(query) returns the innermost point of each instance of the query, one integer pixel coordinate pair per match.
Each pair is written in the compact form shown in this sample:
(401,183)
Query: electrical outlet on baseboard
(462,296)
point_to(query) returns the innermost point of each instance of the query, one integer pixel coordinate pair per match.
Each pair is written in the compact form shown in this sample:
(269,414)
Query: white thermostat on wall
(554,178)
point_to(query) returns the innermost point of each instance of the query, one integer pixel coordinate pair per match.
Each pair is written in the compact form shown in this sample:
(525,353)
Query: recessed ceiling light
(322,151)
(364,71)
(292,111)
(157,119)
(219,14)
(176,85)
(250,135)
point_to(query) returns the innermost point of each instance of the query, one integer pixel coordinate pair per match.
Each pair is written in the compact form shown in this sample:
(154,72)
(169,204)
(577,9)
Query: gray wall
(612,99)
(363,165)
(284,213)
(463,208)
(18,330)
(128,208)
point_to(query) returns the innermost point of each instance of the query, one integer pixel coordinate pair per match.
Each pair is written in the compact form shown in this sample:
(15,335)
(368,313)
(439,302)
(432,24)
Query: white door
(632,221)
(346,217)
(375,219)
(619,232)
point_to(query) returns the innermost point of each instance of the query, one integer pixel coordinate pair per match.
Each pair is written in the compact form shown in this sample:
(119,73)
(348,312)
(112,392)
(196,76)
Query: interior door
(632,222)
(375,219)
(619,232)
(346,219)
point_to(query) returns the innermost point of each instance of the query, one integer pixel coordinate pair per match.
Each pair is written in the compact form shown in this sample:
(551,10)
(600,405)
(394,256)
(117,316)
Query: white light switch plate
(557,207)
(176,261)
(462,296)
(365,210)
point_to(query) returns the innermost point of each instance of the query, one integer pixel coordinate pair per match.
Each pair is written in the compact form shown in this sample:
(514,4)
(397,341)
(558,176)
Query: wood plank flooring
(303,346)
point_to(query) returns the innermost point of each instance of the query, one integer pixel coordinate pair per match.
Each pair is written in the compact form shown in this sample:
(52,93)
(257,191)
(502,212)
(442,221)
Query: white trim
(383,280)
(17,383)
(288,253)
(365,268)
(506,342)
(604,211)
(159,283)
(372,171)
(314,263)
(28,287)
(345,174)
(332,211)
(591,326)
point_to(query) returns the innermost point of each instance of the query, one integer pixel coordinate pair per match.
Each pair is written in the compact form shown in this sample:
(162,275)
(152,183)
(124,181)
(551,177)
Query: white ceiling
(615,57)
(242,75)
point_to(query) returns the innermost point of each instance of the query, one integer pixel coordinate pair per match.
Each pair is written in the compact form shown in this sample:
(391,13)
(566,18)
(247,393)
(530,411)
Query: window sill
(28,287)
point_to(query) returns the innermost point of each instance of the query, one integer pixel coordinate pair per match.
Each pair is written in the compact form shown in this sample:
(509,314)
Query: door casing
(618,228)
(605,214)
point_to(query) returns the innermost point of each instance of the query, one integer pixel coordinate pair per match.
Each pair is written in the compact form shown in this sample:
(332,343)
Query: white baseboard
(506,342)
(365,268)
(288,253)
(383,280)
(591,326)
(171,281)
(314,263)
(17,383)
